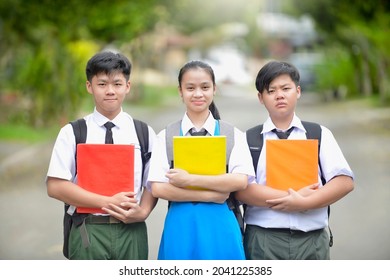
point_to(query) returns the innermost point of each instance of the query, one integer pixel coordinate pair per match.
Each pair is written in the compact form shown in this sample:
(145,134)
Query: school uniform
(200,230)
(107,240)
(269,231)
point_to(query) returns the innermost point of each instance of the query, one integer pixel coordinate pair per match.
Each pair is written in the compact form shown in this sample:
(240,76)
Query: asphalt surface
(31,222)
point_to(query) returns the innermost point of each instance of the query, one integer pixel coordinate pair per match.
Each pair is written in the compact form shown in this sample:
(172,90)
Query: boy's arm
(260,195)
(73,194)
(334,190)
(132,212)
(257,195)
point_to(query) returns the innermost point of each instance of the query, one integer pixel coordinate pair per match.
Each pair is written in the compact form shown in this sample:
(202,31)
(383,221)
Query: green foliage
(45,44)
(361,28)
(336,72)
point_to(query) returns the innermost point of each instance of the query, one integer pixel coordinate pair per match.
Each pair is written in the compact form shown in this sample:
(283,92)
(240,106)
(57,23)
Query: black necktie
(201,132)
(281,134)
(108,126)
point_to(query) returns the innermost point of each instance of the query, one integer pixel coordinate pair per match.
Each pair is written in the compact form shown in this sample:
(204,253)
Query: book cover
(291,163)
(203,155)
(105,169)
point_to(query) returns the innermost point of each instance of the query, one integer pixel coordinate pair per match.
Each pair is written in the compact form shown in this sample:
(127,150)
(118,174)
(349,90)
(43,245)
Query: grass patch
(23,133)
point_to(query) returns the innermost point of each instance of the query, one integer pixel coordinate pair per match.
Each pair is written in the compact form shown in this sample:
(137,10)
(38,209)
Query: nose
(110,89)
(279,94)
(198,92)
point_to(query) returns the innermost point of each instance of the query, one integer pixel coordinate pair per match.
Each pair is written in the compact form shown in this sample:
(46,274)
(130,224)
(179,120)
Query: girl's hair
(272,70)
(108,62)
(204,66)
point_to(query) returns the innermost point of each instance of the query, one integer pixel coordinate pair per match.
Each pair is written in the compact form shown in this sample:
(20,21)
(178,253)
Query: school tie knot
(283,134)
(109,139)
(202,132)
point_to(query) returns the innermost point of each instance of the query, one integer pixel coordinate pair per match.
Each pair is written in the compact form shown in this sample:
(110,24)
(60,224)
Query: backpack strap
(313,131)
(80,132)
(172,129)
(255,143)
(228,130)
(142,131)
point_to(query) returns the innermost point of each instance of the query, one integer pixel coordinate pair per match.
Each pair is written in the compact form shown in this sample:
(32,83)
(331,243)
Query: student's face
(108,92)
(197,90)
(281,98)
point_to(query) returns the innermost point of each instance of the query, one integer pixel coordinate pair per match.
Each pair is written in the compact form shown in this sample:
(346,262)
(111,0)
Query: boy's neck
(282,123)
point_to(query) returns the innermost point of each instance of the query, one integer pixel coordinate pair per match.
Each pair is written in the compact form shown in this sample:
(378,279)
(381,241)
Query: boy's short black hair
(108,62)
(272,70)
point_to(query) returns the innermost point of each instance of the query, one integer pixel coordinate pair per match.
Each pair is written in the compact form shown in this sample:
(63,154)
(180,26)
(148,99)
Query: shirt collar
(100,120)
(269,125)
(187,125)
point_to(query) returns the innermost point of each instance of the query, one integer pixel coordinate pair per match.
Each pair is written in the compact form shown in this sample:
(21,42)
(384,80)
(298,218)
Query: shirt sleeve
(332,160)
(62,162)
(159,165)
(240,157)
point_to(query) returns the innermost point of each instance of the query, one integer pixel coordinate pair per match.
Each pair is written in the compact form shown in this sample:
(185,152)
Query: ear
(180,91)
(298,92)
(88,85)
(128,86)
(260,97)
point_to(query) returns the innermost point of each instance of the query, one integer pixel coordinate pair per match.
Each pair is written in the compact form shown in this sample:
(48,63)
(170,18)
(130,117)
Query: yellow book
(291,163)
(203,155)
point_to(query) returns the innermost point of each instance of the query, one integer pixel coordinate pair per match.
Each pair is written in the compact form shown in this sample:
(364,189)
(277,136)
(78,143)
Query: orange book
(105,169)
(291,163)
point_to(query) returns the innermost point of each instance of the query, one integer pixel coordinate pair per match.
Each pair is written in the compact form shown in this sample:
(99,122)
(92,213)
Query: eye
(270,91)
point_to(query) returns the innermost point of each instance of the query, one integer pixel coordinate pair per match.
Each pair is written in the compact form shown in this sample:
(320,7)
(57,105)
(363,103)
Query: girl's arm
(228,182)
(169,192)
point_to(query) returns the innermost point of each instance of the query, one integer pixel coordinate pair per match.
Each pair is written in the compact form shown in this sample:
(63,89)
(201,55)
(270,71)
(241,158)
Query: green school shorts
(275,244)
(117,241)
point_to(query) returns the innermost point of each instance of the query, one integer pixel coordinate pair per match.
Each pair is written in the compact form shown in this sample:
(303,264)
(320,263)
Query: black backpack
(173,129)
(255,142)
(80,133)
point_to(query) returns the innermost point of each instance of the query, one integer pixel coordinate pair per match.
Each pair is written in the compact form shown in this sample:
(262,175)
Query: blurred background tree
(355,39)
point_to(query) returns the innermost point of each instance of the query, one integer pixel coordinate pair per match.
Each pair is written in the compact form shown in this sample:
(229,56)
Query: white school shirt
(333,164)
(240,159)
(62,162)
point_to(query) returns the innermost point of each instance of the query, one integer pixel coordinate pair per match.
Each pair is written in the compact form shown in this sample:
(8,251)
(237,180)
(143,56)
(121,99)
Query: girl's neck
(198,119)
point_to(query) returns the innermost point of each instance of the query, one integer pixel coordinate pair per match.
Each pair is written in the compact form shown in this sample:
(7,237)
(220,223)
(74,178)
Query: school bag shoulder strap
(142,131)
(172,129)
(255,143)
(228,130)
(79,130)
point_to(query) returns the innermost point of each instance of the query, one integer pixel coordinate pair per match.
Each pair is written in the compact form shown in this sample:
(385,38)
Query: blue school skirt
(200,231)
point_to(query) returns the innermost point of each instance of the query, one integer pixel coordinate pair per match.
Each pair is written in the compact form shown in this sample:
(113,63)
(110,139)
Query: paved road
(31,221)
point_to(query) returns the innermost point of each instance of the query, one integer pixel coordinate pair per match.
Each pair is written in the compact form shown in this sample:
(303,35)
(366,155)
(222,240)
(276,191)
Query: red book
(105,169)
